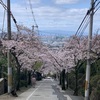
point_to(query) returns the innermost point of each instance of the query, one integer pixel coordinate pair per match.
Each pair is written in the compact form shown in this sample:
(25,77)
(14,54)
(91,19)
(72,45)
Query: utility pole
(87,82)
(9,54)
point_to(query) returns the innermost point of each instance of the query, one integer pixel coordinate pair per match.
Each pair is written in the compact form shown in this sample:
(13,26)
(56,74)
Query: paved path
(46,89)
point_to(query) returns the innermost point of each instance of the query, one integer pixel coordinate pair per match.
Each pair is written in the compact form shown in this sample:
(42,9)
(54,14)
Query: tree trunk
(18,71)
(60,79)
(63,80)
(76,82)
(29,77)
(18,79)
(67,80)
(25,75)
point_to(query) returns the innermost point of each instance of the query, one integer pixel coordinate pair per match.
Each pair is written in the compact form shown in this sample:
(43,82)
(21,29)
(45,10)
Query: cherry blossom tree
(26,48)
(73,54)
(23,48)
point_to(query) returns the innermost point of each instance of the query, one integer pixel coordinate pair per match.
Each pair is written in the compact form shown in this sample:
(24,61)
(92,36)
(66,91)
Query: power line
(82,23)
(6,8)
(3,20)
(33,18)
(96,7)
(95,1)
(84,28)
(85,20)
(32,12)
(96,4)
(3,23)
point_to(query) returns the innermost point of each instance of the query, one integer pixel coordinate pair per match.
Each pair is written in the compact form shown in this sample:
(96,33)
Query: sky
(55,16)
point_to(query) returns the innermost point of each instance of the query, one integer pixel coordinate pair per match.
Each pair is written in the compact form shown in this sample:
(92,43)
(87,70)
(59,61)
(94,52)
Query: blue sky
(63,15)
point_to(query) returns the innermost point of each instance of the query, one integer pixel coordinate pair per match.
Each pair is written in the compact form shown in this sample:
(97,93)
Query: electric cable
(82,28)
(33,16)
(6,8)
(82,23)
(3,24)
(32,12)
(96,7)
(87,23)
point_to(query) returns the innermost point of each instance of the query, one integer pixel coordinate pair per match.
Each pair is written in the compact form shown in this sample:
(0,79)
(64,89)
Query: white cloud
(57,18)
(48,16)
(66,1)
(33,1)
